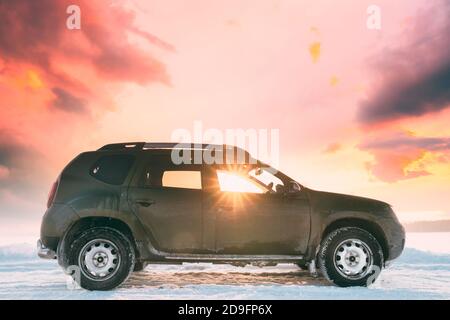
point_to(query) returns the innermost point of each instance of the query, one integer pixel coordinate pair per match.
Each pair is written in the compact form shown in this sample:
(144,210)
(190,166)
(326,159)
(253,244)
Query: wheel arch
(372,227)
(85,223)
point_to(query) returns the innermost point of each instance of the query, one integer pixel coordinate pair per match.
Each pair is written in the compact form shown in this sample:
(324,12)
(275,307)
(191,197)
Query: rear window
(112,169)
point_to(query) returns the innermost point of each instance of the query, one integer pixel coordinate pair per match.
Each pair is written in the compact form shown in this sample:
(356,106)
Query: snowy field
(422,272)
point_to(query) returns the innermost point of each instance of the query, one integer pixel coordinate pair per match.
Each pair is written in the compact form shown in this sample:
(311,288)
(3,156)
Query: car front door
(256,221)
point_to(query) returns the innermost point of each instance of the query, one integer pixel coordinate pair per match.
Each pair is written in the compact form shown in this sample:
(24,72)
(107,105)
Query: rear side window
(112,169)
(182,179)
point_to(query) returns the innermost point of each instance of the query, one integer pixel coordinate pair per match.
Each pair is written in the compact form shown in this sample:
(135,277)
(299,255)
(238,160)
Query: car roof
(165,148)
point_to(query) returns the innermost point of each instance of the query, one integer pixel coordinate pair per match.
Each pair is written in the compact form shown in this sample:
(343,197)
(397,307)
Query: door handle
(145,203)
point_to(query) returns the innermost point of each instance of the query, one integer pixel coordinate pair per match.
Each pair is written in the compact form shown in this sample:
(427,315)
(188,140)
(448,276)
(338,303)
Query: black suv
(114,210)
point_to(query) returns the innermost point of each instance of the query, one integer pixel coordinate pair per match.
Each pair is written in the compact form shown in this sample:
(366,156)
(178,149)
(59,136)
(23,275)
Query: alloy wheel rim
(99,259)
(353,259)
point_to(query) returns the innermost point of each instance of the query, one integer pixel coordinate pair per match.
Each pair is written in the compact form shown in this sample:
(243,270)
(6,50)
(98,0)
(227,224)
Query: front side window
(272,182)
(112,169)
(230,181)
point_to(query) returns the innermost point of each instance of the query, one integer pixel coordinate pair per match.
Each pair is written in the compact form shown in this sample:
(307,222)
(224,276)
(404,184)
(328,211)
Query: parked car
(114,210)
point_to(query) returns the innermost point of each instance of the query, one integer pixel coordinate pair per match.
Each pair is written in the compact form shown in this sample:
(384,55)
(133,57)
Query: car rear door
(167,199)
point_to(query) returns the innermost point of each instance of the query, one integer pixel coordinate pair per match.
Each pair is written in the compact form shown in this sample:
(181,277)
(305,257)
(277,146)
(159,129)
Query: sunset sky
(359,111)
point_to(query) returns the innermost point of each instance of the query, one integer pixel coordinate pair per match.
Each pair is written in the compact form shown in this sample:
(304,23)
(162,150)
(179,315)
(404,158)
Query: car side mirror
(258,171)
(279,189)
(294,187)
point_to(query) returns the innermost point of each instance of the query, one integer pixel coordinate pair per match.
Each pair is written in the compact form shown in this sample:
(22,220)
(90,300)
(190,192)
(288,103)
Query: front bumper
(44,252)
(396,240)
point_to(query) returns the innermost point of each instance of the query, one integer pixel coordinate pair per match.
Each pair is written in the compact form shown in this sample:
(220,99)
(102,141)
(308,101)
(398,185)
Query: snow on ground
(422,272)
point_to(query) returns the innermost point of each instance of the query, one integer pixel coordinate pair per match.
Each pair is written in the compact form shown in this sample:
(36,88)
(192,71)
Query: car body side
(82,201)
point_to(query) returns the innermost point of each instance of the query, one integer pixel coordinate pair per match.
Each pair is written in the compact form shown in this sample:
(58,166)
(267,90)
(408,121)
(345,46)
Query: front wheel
(350,257)
(105,258)
(139,266)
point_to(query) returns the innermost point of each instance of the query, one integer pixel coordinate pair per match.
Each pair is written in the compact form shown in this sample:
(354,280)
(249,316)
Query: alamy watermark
(373,21)
(73,21)
(73,281)
(215,146)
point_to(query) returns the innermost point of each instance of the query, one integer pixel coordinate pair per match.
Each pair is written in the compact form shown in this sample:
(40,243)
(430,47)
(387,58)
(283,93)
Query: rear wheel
(104,256)
(350,257)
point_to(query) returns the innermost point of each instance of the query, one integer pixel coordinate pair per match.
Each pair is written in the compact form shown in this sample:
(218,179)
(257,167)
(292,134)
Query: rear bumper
(44,252)
(55,223)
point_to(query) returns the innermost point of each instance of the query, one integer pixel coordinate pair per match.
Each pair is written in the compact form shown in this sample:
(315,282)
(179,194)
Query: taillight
(52,193)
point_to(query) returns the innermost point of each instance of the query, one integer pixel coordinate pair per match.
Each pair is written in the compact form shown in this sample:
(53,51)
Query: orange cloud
(400,156)
(49,68)
(54,82)
(39,52)
(391,166)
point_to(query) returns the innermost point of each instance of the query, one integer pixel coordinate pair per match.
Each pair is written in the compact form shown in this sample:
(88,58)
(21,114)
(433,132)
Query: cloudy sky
(359,111)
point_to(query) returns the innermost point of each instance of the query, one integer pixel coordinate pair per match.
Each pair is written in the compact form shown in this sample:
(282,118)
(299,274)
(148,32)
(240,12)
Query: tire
(104,256)
(350,257)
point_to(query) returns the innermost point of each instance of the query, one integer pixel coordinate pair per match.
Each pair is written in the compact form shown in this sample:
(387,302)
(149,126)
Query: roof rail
(125,145)
(182,145)
(166,145)
(237,154)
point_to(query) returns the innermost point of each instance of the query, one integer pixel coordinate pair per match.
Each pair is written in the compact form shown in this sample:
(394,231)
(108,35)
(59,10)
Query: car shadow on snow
(151,278)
